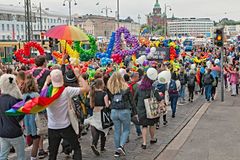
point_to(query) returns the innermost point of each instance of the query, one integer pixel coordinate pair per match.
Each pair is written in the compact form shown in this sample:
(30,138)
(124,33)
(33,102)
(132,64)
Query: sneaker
(95,151)
(122,150)
(42,154)
(165,123)
(117,154)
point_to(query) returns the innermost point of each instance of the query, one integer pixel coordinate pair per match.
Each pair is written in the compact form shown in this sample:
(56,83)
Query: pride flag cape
(37,104)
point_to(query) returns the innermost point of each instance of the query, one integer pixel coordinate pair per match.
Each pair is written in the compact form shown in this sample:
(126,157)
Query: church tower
(157,8)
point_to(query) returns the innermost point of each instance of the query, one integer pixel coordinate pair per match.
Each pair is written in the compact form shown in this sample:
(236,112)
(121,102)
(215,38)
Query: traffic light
(50,42)
(219,37)
(42,36)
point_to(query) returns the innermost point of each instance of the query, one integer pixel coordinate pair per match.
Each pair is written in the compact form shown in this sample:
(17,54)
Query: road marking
(172,149)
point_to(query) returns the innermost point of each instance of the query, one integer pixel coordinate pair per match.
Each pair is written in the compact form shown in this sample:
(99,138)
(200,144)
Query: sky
(214,9)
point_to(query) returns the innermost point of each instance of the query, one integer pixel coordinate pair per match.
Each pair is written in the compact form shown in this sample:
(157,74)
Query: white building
(12,22)
(190,26)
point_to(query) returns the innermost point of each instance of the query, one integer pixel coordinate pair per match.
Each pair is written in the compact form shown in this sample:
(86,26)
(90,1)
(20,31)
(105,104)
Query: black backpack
(191,81)
(182,78)
(78,108)
(118,101)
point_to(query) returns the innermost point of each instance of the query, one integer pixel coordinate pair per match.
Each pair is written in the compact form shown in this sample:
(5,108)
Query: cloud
(214,9)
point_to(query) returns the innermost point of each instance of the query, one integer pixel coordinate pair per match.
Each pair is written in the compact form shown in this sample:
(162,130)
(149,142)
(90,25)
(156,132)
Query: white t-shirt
(57,112)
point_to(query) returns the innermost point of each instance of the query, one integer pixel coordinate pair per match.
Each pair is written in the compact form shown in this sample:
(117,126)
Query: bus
(188,45)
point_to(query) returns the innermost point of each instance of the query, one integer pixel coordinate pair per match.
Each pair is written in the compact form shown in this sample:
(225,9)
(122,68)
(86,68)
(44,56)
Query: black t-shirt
(99,98)
(41,80)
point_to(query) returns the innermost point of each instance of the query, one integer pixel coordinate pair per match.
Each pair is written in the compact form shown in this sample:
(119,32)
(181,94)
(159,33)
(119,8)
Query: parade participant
(208,80)
(144,91)
(98,100)
(183,80)
(40,74)
(161,89)
(234,78)
(191,85)
(173,90)
(59,126)
(11,133)
(134,79)
(121,105)
(30,90)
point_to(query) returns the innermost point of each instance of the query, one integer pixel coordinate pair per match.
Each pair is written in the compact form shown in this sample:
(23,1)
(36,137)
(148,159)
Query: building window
(8,28)
(22,37)
(22,27)
(3,27)
(3,37)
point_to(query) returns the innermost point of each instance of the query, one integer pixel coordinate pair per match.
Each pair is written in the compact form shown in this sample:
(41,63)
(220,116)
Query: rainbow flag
(37,104)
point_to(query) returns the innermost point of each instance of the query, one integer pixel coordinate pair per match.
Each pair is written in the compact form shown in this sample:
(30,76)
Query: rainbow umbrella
(66,32)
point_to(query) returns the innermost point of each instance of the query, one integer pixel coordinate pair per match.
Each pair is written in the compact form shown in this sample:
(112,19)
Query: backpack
(79,108)
(182,78)
(207,79)
(172,88)
(191,81)
(118,102)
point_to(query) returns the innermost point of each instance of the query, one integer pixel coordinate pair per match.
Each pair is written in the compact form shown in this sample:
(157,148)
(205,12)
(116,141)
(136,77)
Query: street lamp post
(70,8)
(106,9)
(118,8)
(139,19)
(165,14)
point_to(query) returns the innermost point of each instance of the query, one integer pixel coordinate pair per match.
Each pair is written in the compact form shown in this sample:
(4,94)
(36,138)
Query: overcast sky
(214,9)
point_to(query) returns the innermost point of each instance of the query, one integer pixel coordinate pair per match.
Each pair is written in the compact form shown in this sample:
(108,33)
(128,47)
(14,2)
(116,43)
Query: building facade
(156,18)
(190,26)
(12,22)
(102,26)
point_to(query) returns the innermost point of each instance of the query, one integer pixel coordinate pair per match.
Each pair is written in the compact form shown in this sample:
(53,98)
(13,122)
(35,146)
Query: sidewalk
(216,135)
(134,152)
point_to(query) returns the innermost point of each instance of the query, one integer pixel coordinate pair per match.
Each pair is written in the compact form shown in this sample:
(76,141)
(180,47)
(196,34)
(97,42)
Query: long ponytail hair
(97,84)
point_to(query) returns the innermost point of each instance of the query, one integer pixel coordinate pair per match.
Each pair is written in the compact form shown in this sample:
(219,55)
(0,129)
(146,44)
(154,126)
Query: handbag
(42,124)
(73,117)
(152,107)
(106,118)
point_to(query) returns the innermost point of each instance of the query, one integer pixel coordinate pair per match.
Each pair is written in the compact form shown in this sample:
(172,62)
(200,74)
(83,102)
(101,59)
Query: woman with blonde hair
(121,105)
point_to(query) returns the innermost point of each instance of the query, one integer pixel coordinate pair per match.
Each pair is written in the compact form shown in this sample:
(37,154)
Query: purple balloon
(148,50)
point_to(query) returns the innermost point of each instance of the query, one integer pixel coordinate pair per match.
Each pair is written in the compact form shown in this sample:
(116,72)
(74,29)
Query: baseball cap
(57,78)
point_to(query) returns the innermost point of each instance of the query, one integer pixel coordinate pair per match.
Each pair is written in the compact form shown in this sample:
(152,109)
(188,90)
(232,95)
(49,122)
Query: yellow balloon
(66,47)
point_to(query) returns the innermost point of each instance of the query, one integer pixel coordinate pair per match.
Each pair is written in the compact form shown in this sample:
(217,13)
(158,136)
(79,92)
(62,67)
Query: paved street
(216,135)
(165,135)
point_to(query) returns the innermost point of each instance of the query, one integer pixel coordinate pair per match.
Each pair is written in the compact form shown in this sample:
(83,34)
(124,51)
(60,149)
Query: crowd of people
(120,91)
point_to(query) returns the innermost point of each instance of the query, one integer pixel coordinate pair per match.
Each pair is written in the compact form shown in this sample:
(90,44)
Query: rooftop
(13,9)
(157,5)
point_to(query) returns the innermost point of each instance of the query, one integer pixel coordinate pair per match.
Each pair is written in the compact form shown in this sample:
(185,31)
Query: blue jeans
(122,121)
(173,100)
(208,91)
(18,144)
(182,92)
